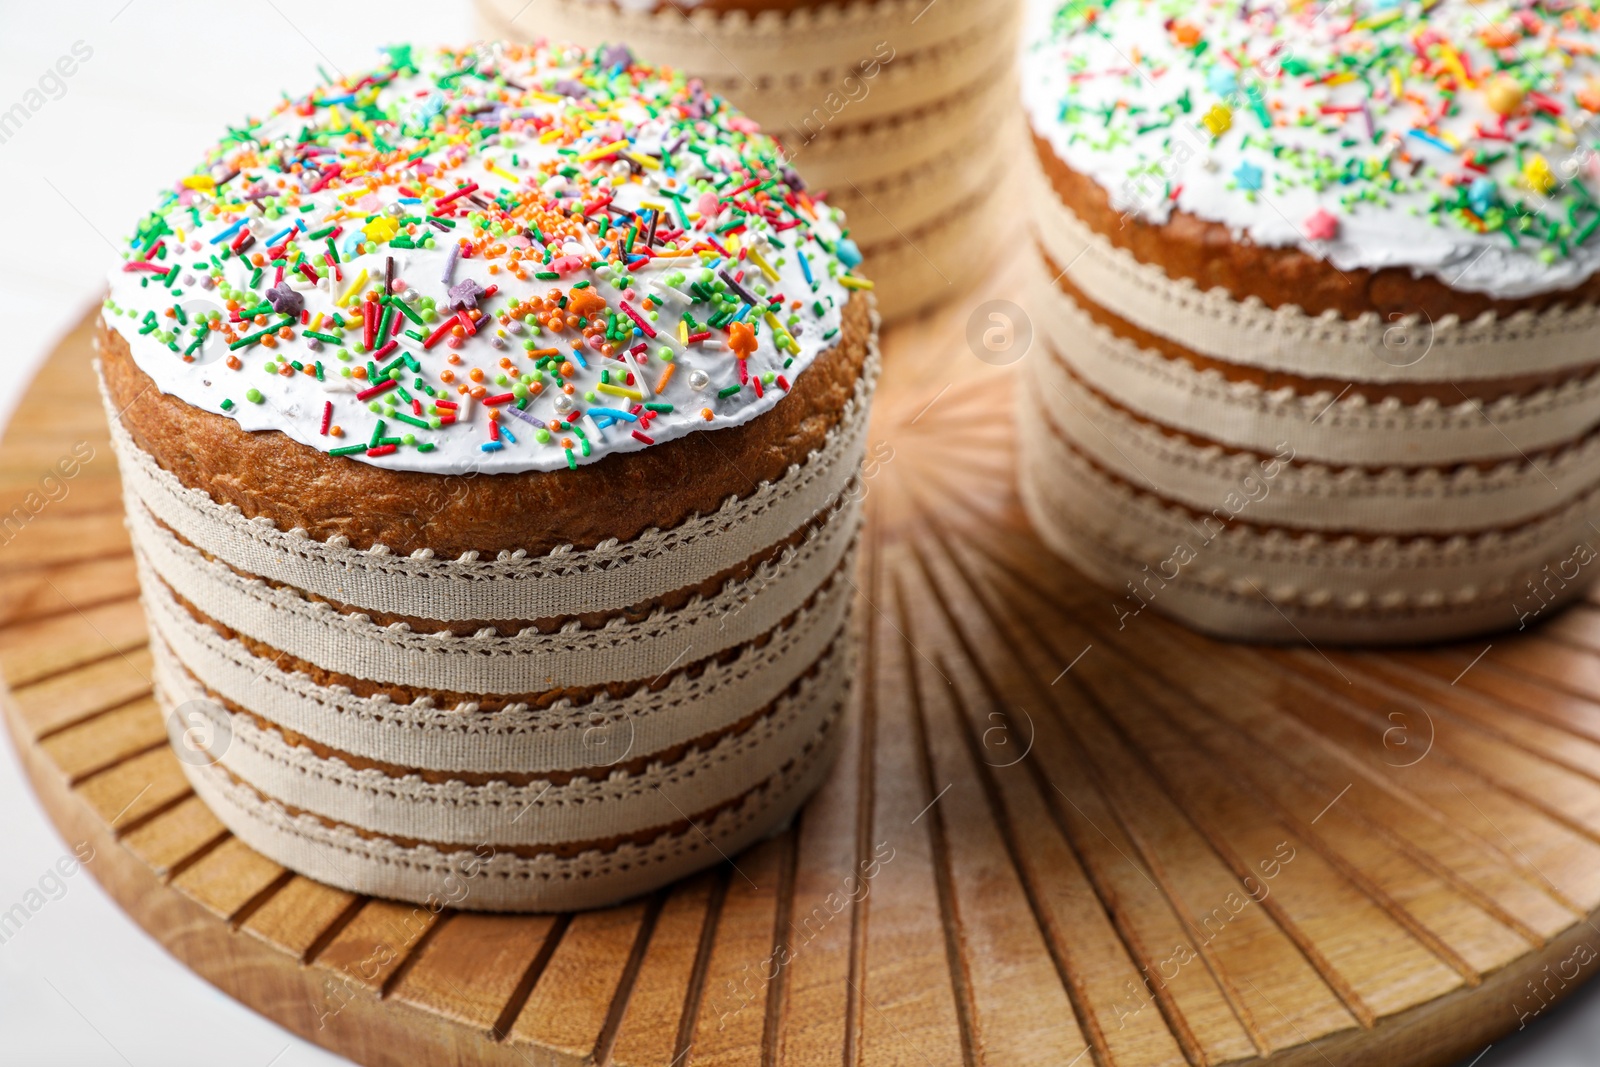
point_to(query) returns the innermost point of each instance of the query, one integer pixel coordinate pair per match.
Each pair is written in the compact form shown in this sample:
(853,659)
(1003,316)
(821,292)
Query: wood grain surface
(1056,837)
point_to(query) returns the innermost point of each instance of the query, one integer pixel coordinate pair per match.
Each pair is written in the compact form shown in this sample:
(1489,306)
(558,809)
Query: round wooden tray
(1052,840)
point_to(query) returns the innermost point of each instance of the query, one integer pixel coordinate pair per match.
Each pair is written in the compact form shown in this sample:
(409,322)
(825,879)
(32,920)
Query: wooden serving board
(1052,840)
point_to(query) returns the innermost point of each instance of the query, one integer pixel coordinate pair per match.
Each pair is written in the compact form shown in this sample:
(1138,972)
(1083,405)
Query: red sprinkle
(649,331)
(438,334)
(382,387)
(458,194)
(381,450)
(327,415)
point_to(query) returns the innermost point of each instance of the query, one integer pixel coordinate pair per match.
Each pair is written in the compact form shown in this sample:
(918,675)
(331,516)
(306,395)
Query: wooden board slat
(106,740)
(585,981)
(474,964)
(175,836)
(36,592)
(301,916)
(34,651)
(377,943)
(229,878)
(1053,838)
(72,696)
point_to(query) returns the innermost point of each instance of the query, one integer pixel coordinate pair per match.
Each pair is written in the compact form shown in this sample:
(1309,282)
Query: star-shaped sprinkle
(1321,226)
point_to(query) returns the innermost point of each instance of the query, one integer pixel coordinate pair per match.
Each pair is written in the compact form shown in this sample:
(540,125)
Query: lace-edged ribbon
(542,812)
(1241,580)
(516,737)
(482,878)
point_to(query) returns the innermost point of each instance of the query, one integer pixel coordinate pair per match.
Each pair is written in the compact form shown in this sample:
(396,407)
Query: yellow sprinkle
(362,128)
(643,160)
(355,288)
(1218,119)
(203,182)
(598,153)
(507,175)
(1395,84)
(683,332)
(549,135)
(651,205)
(617,390)
(766,268)
(383,228)
(316,323)
(1536,172)
(1453,61)
(852,282)
(781,334)
(549,98)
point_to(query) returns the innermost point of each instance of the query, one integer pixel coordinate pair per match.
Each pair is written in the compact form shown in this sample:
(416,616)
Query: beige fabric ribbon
(1399,500)
(1218,577)
(517,737)
(1322,425)
(488,662)
(541,812)
(484,879)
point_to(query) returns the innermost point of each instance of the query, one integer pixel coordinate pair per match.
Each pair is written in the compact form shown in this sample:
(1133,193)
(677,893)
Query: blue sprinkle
(613,413)
(1481,195)
(1428,138)
(1248,176)
(848,253)
(491,446)
(229,232)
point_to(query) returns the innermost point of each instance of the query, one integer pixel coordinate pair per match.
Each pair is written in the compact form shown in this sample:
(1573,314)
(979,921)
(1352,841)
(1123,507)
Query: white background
(80,984)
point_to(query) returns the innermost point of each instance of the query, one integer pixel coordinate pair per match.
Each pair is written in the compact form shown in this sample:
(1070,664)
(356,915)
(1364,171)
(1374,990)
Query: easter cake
(490,426)
(1318,298)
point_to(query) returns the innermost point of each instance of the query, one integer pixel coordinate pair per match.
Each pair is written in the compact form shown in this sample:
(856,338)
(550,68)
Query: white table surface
(80,984)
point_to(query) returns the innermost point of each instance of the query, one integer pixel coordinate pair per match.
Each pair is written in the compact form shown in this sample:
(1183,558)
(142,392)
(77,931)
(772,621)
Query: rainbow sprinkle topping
(1454,138)
(496,259)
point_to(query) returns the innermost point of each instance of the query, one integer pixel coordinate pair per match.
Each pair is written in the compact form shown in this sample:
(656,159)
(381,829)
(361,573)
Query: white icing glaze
(1133,56)
(509,162)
